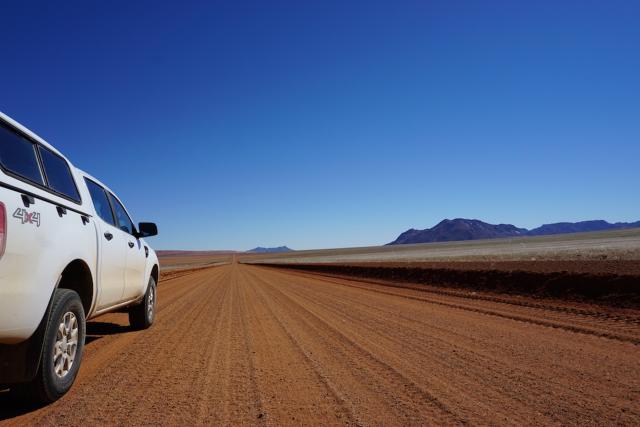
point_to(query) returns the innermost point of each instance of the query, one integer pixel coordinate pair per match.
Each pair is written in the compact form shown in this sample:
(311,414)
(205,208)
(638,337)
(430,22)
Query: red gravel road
(241,344)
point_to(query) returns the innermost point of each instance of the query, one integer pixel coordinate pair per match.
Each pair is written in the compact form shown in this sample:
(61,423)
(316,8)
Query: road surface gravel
(249,345)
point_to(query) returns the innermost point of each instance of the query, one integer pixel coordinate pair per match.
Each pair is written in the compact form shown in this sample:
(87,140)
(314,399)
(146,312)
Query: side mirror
(147,229)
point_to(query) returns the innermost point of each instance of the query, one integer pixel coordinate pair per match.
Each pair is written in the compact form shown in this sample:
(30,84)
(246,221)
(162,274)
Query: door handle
(108,235)
(131,244)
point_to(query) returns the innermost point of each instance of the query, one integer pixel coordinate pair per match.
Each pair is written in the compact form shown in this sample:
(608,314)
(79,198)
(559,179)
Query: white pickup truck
(68,252)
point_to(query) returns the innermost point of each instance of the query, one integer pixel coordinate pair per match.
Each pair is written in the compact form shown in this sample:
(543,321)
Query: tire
(141,316)
(62,349)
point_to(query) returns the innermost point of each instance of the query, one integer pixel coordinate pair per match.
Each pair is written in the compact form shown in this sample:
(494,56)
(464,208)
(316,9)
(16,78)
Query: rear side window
(100,202)
(124,222)
(58,174)
(18,155)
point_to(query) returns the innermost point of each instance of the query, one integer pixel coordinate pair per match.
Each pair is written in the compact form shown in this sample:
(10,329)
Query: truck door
(134,280)
(134,283)
(112,249)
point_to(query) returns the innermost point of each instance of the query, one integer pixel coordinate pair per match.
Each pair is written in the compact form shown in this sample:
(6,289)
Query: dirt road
(249,345)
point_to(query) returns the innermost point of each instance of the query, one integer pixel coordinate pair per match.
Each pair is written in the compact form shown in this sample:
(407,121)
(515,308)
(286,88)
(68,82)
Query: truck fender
(19,362)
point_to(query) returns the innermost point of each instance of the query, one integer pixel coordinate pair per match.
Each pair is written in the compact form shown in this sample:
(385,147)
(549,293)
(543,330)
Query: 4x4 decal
(27,217)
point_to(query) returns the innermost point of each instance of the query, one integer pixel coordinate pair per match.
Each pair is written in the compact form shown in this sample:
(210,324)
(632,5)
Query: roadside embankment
(604,283)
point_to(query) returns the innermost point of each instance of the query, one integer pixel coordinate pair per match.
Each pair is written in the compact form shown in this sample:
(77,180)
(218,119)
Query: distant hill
(579,227)
(261,250)
(458,229)
(450,230)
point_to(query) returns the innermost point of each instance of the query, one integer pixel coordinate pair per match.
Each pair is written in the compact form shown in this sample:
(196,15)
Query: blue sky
(327,124)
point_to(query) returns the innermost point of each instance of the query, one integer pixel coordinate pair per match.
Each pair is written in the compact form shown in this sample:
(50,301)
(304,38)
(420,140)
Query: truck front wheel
(141,315)
(61,350)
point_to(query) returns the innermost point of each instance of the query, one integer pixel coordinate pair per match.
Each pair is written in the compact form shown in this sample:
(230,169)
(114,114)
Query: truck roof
(31,134)
(40,140)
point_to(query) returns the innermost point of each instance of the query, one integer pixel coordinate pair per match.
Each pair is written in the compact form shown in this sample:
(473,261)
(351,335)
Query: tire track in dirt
(620,327)
(242,403)
(397,337)
(471,374)
(413,404)
(603,312)
(374,331)
(210,380)
(315,400)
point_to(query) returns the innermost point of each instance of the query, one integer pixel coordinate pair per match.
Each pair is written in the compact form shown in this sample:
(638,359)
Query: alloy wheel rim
(151,300)
(66,345)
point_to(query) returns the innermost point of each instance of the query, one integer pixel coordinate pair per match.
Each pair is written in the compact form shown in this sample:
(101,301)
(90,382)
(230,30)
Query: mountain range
(450,230)
(261,250)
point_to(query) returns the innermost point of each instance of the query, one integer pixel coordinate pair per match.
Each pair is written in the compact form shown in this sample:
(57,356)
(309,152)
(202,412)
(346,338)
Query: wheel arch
(77,277)
(155,273)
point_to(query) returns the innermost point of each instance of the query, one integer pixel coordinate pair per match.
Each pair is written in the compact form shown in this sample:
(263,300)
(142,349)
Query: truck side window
(124,222)
(18,155)
(58,174)
(100,202)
